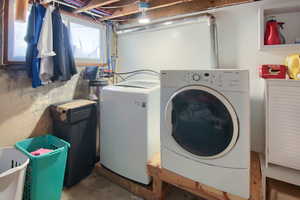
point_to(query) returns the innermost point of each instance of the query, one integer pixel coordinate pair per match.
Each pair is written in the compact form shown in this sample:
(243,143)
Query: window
(85,41)
(18,51)
(16,45)
(87,38)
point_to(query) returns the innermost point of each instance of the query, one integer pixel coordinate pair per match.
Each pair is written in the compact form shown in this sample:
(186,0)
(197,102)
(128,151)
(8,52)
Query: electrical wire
(123,79)
(127,75)
(132,75)
(135,71)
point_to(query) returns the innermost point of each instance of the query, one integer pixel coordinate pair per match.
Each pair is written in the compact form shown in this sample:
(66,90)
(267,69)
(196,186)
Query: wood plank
(21,10)
(162,177)
(205,191)
(135,188)
(153,165)
(194,187)
(95,4)
(256,178)
(189,7)
(278,190)
(223,3)
(158,188)
(153,168)
(134,8)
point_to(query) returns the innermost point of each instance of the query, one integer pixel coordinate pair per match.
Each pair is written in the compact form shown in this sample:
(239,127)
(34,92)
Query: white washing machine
(129,127)
(205,127)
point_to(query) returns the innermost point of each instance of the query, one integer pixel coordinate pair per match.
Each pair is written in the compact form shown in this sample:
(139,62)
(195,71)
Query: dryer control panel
(219,78)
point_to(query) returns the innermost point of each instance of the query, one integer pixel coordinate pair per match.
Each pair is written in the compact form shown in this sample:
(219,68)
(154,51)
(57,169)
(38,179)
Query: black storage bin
(76,123)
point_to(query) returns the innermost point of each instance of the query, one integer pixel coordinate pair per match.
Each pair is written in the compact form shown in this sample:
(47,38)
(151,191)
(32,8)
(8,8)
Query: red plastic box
(273,71)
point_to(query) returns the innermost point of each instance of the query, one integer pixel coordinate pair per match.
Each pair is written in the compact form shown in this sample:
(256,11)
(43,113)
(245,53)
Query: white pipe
(169,23)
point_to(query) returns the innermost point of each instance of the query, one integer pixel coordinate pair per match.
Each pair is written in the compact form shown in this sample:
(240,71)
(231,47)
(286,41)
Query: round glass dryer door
(202,121)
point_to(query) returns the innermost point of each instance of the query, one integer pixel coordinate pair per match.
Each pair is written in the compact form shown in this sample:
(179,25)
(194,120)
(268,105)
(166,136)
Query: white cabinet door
(283,107)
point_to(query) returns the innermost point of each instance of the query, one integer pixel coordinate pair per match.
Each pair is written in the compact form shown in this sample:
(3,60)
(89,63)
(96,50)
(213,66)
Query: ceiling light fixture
(143,19)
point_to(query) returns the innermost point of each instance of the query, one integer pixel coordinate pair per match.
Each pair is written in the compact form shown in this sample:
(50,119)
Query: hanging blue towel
(64,63)
(32,37)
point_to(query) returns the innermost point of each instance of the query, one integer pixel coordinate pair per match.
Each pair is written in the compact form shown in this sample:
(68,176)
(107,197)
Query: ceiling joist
(95,4)
(189,7)
(157,8)
(223,3)
(134,8)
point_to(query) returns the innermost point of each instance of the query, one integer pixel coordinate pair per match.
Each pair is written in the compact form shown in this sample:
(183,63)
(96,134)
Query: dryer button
(196,77)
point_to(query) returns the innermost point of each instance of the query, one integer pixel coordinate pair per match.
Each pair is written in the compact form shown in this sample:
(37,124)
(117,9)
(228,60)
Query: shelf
(289,13)
(280,47)
(279,10)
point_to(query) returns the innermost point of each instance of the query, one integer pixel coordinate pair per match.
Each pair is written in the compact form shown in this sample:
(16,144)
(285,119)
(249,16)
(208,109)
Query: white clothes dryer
(205,127)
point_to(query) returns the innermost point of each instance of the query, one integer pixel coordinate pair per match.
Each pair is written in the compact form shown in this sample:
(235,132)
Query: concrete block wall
(24,110)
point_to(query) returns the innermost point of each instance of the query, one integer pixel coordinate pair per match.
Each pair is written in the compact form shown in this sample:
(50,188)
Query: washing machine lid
(139,84)
(202,122)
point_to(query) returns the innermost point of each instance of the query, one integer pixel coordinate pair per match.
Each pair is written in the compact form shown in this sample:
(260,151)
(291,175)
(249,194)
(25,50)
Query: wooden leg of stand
(158,188)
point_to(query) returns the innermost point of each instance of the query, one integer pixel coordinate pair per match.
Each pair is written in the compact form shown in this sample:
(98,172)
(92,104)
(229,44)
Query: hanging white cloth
(45,48)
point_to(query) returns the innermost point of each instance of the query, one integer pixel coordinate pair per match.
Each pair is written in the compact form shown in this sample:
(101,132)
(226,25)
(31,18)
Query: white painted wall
(187,45)
(238,28)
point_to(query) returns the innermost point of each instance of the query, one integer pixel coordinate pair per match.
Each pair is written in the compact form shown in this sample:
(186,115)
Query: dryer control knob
(196,77)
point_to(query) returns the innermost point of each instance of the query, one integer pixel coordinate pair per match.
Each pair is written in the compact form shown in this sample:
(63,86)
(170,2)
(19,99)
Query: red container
(272,34)
(272,71)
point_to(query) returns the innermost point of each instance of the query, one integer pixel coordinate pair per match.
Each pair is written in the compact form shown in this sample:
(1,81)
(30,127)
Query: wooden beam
(21,10)
(256,177)
(133,9)
(207,192)
(190,7)
(146,192)
(223,3)
(128,10)
(95,4)
(180,9)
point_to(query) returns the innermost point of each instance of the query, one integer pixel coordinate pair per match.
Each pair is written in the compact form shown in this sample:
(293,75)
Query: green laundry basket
(45,173)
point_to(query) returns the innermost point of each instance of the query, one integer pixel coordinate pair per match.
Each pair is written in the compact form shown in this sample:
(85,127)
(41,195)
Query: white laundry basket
(13,164)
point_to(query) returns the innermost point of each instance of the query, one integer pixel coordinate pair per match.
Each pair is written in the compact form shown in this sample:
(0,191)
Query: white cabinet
(283,123)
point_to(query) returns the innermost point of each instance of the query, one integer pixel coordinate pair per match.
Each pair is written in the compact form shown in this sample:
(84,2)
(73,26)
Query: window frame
(6,24)
(89,23)
(83,20)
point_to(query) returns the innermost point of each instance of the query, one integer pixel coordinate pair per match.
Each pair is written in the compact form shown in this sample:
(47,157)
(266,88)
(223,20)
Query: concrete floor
(96,187)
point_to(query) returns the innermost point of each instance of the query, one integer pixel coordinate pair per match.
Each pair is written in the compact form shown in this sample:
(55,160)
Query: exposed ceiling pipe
(71,6)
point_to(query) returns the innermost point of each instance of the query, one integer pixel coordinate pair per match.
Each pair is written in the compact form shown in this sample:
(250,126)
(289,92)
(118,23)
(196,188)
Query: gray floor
(96,187)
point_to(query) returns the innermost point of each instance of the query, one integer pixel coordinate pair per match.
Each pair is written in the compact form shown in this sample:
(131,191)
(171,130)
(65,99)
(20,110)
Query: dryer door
(202,122)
